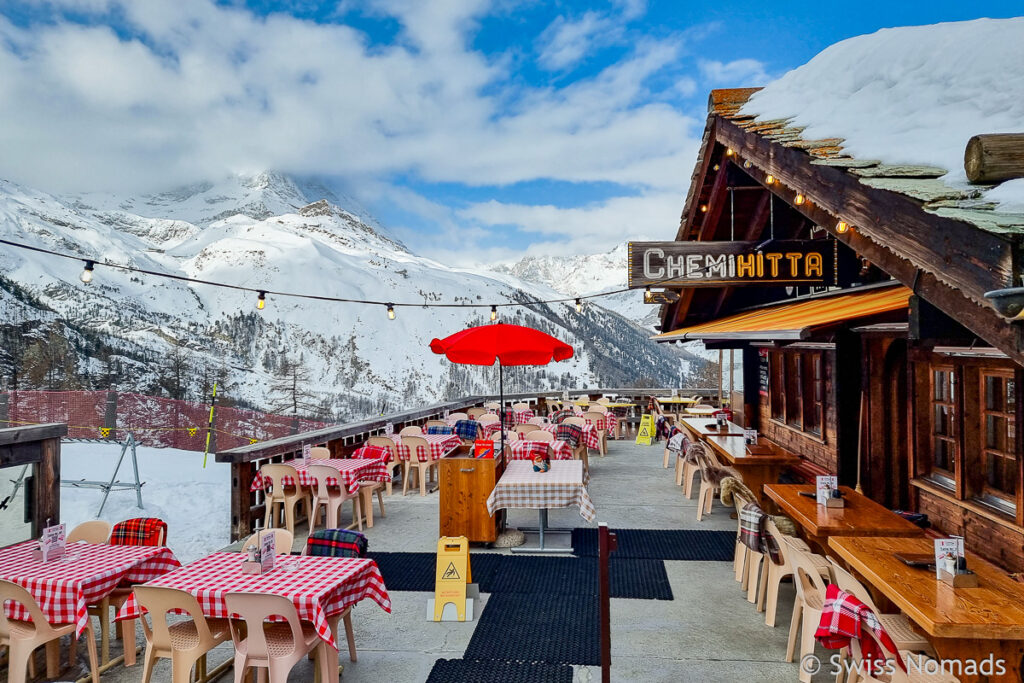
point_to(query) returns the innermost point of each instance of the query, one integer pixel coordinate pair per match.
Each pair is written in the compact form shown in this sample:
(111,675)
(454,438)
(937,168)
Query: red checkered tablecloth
(520,416)
(527,450)
(351,471)
(87,574)
(560,487)
(320,587)
(440,445)
(589,434)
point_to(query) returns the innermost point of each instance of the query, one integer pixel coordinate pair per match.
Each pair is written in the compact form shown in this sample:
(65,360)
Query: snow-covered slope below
(587,274)
(909,95)
(137,329)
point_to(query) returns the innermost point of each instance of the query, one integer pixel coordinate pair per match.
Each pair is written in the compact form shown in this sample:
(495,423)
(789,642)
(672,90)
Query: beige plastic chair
(539,435)
(470,414)
(184,642)
(768,599)
(394,463)
(411,430)
(520,406)
(331,499)
(491,405)
(414,464)
(597,408)
(319,453)
(94,531)
(525,428)
(916,674)
(578,421)
(281,498)
(488,419)
(512,437)
(23,637)
(604,400)
(710,478)
(896,625)
(810,601)
(365,493)
(283,540)
(275,646)
(686,469)
(435,423)
(602,434)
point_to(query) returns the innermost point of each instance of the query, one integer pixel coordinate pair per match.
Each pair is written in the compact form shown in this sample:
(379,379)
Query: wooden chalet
(892,368)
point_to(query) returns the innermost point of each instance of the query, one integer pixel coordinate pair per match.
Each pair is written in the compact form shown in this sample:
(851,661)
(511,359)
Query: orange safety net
(794,319)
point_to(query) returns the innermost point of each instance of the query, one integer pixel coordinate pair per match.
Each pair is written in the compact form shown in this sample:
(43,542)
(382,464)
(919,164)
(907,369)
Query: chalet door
(894,396)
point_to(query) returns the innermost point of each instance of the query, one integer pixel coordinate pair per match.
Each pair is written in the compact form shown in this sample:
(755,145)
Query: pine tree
(49,363)
(289,390)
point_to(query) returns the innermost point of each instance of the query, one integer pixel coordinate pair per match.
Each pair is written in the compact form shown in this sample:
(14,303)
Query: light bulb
(715,167)
(494,313)
(391,311)
(648,295)
(261,300)
(86,275)
(842,227)
(729,152)
(579,305)
(703,208)
(800,199)
(769,179)
(747,164)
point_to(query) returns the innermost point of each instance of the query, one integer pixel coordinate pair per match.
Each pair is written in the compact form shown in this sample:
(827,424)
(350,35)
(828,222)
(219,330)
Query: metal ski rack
(113,484)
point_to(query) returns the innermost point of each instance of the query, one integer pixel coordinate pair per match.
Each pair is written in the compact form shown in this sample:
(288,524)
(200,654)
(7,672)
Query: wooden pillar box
(466,482)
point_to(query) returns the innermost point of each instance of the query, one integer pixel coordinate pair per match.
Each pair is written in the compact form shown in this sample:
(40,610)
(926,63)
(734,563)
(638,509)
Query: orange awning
(795,320)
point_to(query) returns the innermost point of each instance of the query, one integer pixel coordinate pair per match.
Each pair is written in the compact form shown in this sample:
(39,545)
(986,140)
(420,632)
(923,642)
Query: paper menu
(267,551)
(389,429)
(825,485)
(52,543)
(750,437)
(948,552)
(307,454)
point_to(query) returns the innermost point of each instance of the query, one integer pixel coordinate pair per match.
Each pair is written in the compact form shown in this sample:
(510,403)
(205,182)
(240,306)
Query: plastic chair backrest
(283,540)
(491,405)
(93,531)
(320,453)
(539,435)
(255,609)
(487,419)
(593,417)
(470,414)
(384,442)
(847,582)
(604,400)
(276,472)
(520,406)
(419,448)
(412,430)
(321,473)
(809,584)
(159,602)
(435,423)
(598,408)
(578,421)
(12,592)
(525,428)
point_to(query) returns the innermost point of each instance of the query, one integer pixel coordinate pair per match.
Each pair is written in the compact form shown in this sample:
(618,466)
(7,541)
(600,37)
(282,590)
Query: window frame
(794,390)
(941,474)
(988,493)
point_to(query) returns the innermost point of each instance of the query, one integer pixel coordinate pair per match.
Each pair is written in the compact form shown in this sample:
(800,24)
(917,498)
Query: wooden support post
(607,544)
(47,486)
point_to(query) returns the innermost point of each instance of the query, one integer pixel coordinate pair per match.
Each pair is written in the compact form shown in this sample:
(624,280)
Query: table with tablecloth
(351,471)
(518,416)
(562,486)
(88,573)
(528,450)
(589,433)
(440,446)
(319,587)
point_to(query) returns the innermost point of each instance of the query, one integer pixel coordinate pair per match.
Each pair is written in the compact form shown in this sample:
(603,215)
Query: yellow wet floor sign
(646,431)
(453,574)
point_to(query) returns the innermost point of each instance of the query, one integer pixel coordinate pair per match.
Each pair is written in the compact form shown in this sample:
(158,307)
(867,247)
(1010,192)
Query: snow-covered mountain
(586,274)
(269,232)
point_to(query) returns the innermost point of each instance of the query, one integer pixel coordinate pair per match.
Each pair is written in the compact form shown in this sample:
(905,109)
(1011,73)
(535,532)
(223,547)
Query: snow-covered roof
(897,107)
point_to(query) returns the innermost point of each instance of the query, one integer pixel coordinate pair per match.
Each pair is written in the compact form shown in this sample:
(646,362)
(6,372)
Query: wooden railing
(343,439)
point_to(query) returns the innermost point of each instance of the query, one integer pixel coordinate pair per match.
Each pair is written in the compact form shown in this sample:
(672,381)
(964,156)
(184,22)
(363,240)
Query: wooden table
(861,516)
(758,465)
(708,426)
(962,623)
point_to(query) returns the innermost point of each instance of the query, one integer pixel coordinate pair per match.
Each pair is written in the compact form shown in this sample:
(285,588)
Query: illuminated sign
(713,264)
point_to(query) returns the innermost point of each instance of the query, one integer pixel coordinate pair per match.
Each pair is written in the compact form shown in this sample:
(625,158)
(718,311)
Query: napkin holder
(252,567)
(966,579)
(835,502)
(37,555)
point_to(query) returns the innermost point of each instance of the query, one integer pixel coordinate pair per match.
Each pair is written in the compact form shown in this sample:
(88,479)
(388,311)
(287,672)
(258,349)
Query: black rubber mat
(543,627)
(491,671)
(415,571)
(637,579)
(660,544)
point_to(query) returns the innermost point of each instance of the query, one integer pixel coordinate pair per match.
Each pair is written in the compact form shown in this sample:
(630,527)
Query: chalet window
(814,403)
(794,390)
(777,386)
(944,432)
(997,433)
(797,389)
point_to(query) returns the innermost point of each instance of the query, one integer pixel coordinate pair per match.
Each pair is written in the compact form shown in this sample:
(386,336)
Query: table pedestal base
(542,530)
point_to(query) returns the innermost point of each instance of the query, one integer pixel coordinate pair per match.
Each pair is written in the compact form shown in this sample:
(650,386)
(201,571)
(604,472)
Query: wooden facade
(920,406)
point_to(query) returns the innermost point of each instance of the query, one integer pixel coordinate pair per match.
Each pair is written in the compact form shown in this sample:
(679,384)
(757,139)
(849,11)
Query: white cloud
(567,41)
(734,74)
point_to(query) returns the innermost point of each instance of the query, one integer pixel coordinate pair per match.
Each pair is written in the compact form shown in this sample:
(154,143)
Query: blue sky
(504,127)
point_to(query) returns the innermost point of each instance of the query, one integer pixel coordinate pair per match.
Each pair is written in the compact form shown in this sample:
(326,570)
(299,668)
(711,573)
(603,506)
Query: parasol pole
(501,406)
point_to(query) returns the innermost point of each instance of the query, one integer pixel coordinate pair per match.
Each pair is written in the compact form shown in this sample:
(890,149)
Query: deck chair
(185,643)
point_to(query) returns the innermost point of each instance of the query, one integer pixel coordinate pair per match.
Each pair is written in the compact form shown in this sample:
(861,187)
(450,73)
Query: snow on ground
(195,503)
(909,95)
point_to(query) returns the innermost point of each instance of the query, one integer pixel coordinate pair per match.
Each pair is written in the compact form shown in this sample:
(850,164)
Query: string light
(703,208)
(261,300)
(86,275)
(391,311)
(579,305)
(769,179)
(800,199)
(729,151)
(715,167)
(747,164)
(648,295)
(494,313)
(842,227)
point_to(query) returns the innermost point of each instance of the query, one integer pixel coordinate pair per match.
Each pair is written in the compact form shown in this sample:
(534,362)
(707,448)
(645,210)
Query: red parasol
(506,344)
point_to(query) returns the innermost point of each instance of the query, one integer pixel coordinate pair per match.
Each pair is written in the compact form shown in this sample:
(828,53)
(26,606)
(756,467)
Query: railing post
(607,544)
